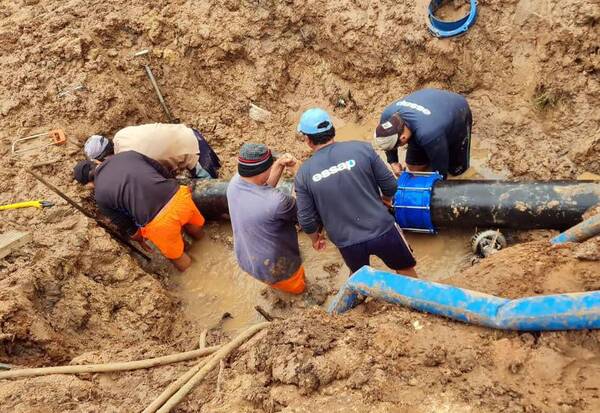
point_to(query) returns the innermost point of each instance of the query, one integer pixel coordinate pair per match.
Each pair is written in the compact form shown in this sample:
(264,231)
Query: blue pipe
(580,232)
(573,311)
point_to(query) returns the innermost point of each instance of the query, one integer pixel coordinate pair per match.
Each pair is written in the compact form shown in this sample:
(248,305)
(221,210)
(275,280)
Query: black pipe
(210,196)
(468,204)
(520,205)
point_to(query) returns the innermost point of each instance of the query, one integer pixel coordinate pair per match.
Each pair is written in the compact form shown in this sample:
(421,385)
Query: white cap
(95,146)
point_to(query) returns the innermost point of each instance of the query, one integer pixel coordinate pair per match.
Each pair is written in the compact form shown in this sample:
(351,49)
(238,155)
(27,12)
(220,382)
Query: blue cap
(312,119)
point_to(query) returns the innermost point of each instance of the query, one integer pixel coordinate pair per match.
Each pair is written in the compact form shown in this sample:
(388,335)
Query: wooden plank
(11,240)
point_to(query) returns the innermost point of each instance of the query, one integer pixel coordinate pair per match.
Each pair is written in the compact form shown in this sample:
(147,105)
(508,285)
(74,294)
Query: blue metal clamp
(413,199)
(442,28)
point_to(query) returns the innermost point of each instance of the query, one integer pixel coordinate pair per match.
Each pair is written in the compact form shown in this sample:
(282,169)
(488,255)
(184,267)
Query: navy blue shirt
(340,188)
(131,189)
(438,120)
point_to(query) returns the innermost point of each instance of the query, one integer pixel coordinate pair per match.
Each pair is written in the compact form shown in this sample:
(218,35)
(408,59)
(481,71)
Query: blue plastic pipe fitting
(443,28)
(412,201)
(573,311)
(580,232)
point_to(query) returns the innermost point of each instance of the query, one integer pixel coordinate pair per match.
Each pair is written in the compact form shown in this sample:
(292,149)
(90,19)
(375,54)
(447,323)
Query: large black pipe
(465,204)
(519,205)
(210,196)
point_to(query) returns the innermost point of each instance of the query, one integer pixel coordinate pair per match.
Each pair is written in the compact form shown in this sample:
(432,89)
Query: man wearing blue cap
(344,188)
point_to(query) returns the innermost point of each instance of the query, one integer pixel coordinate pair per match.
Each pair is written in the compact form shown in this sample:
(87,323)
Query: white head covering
(94,146)
(386,143)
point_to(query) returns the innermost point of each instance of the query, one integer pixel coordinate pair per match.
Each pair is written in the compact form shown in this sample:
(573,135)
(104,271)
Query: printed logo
(414,106)
(342,166)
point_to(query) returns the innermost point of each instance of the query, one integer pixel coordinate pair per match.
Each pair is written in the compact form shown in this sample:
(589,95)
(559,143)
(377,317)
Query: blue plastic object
(311,119)
(574,311)
(412,201)
(580,232)
(442,28)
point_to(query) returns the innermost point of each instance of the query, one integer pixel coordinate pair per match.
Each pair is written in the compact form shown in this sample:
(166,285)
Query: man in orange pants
(138,195)
(263,220)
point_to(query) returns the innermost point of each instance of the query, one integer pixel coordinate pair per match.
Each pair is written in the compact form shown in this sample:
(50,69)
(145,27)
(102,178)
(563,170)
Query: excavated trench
(215,286)
(530,71)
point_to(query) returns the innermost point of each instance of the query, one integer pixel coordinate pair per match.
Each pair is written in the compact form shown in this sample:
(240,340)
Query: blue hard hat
(313,121)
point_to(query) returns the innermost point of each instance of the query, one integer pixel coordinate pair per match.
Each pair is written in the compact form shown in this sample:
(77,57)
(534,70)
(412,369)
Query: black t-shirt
(131,189)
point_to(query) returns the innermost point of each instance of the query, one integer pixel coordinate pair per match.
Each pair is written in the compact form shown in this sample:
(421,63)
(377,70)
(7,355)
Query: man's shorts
(293,285)
(165,229)
(391,247)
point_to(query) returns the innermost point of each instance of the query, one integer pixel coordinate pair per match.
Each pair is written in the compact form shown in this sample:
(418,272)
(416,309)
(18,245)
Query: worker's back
(174,145)
(134,184)
(339,186)
(264,233)
(431,114)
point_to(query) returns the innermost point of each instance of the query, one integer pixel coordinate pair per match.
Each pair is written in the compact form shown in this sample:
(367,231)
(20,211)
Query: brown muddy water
(215,285)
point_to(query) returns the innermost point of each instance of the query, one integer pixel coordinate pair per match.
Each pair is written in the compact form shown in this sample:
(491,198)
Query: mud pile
(531,74)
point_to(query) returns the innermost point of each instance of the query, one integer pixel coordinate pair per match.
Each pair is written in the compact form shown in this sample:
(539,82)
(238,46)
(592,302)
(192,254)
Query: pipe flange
(443,28)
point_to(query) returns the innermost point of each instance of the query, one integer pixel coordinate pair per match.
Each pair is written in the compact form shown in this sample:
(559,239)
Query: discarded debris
(259,114)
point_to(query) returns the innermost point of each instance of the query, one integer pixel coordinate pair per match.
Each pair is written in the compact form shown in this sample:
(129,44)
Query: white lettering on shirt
(342,166)
(414,106)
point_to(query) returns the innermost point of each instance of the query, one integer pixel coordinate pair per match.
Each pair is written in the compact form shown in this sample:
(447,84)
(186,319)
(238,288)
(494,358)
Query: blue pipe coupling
(412,201)
(573,311)
(444,28)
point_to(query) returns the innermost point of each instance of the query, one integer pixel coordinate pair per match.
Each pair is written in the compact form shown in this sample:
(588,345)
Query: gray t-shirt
(340,187)
(264,233)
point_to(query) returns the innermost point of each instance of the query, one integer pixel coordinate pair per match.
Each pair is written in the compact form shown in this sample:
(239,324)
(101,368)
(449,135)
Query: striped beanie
(254,159)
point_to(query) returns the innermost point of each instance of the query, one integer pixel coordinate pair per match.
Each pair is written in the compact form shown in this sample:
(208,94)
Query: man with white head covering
(175,146)
(436,126)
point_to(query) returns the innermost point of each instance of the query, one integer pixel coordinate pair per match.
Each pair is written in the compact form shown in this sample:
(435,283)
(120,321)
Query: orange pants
(165,229)
(294,285)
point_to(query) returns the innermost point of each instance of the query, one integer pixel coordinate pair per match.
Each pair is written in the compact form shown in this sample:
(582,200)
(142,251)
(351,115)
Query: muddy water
(215,285)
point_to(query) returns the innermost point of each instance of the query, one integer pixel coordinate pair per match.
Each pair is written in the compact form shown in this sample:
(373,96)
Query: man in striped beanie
(263,220)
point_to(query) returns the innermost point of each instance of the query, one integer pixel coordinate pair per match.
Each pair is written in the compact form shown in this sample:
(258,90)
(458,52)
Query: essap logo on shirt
(414,106)
(342,166)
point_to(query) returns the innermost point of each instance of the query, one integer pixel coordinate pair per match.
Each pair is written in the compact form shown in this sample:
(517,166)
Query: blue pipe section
(580,232)
(574,311)
(443,28)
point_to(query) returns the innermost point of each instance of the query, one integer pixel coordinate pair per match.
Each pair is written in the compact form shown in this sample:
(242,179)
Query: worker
(263,220)
(344,187)
(436,125)
(175,146)
(141,199)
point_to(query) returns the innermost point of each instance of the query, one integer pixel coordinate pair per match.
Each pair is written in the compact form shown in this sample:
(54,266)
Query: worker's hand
(397,169)
(286,160)
(387,201)
(319,243)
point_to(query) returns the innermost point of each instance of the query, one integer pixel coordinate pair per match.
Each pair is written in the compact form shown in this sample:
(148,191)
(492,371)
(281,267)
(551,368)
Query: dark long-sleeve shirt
(131,189)
(438,120)
(340,188)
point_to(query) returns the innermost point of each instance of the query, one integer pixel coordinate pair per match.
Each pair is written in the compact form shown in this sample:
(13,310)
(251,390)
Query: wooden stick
(101,224)
(213,361)
(109,367)
(263,313)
